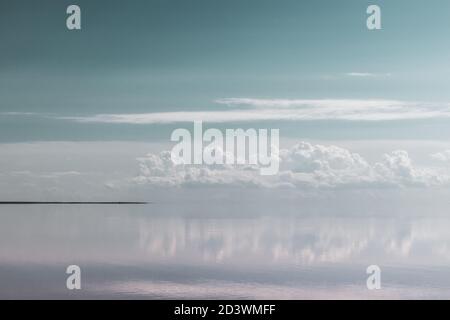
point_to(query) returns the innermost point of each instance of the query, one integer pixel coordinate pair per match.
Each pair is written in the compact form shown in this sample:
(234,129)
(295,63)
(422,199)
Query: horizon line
(74,202)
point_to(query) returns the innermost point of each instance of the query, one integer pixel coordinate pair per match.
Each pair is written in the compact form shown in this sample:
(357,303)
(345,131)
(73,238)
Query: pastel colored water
(150,252)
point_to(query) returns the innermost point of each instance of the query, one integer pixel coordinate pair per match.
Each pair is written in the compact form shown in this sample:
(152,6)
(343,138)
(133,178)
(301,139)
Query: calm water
(152,252)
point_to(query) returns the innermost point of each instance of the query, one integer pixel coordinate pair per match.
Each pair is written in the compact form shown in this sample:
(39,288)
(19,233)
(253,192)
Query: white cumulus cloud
(304,165)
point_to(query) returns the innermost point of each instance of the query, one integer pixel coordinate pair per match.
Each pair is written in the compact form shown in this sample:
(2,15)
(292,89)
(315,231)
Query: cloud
(397,169)
(442,156)
(307,103)
(367,74)
(50,175)
(14,113)
(185,116)
(250,110)
(160,170)
(304,165)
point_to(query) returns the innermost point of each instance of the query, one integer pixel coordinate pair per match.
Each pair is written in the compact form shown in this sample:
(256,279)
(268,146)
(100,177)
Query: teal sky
(148,56)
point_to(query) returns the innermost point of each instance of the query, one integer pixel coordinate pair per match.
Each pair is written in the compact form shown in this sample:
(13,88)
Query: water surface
(157,251)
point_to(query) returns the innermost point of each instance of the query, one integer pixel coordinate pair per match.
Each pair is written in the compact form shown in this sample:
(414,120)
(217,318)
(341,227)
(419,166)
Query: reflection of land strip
(71,202)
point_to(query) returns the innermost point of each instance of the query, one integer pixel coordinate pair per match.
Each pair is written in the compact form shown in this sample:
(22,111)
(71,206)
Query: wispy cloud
(15,113)
(249,110)
(367,74)
(312,103)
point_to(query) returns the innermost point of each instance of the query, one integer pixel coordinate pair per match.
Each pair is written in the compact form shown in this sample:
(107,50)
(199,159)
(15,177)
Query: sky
(137,71)
(165,56)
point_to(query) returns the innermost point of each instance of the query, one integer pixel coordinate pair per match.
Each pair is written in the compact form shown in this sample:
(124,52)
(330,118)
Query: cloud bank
(304,165)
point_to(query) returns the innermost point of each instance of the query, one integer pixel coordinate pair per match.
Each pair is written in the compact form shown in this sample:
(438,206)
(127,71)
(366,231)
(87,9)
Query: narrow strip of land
(72,202)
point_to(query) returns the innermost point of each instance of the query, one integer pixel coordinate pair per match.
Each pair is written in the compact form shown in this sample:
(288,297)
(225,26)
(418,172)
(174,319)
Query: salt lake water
(157,251)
